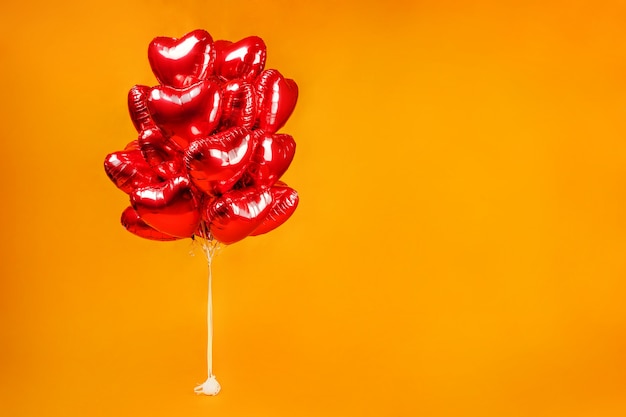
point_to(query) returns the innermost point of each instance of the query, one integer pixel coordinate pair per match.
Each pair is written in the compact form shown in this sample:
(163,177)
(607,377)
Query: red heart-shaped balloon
(276,99)
(238,105)
(216,163)
(169,207)
(243,59)
(138,109)
(182,62)
(237,213)
(272,156)
(219,46)
(285,200)
(133,145)
(186,113)
(134,224)
(164,156)
(129,170)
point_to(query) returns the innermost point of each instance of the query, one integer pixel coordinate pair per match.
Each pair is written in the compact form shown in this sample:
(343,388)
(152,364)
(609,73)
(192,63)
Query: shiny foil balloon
(162,154)
(186,113)
(207,159)
(238,105)
(216,163)
(238,213)
(170,207)
(284,203)
(182,62)
(129,170)
(244,59)
(276,99)
(272,156)
(134,224)
(132,146)
(138,108)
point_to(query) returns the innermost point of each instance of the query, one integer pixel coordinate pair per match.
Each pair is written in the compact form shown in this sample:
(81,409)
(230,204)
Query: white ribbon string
(210,386)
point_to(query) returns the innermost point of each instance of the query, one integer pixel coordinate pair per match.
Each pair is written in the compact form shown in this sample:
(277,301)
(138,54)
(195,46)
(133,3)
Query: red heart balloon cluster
(208,159)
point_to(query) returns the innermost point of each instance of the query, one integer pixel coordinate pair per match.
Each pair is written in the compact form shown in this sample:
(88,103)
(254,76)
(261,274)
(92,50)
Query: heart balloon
(129,170)
(216,163)
(164,156)
(219,46)
(134,224)
(272,156)
(237,213)
(207,160)
(276,99)
(284,203)
(238,104)
(132,146)
(139,114)
(182,62)
(186,113)
(244,59)
(151,142)
(169,207)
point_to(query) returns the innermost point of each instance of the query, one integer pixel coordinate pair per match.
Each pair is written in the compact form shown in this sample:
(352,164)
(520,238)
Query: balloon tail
(210,247)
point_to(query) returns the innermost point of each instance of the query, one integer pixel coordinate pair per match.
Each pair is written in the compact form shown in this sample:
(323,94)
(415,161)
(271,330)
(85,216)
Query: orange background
(459,249)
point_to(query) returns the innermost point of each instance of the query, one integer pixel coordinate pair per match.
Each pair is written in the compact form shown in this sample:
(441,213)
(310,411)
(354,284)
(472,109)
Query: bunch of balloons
(207,161)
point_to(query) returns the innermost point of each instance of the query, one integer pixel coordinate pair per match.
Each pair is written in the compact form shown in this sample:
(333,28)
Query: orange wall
(459,249)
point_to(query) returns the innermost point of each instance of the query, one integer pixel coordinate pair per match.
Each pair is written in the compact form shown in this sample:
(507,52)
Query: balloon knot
(209,387)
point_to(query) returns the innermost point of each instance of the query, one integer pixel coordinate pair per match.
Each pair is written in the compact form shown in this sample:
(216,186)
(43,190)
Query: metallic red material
(169,207)
(216,163)
(138,109)
(129,171)
(276,99)
(132,145)
(238,213)
(186,113)
(272,156)
(284,203)
(134,224)
(163,155)
(238,105)
(244,59)
(182,62)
